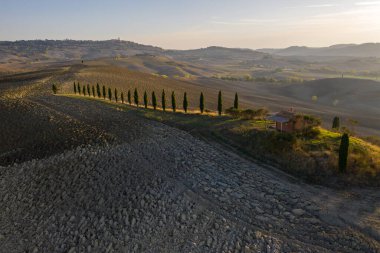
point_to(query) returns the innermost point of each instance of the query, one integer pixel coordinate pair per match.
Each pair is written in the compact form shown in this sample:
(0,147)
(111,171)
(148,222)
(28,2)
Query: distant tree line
(103,92)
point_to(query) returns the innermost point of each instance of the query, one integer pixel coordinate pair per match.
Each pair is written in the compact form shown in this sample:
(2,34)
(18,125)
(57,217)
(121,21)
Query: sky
(180,24)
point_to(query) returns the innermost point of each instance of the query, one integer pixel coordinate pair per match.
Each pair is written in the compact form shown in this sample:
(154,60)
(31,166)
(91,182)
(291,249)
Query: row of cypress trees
(86,90)
(96,91)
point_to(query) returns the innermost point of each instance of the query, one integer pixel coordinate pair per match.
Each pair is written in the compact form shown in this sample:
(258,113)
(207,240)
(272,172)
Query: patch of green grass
(312,158)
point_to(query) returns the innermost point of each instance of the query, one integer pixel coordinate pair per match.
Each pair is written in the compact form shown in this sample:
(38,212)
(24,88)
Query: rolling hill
(350,50)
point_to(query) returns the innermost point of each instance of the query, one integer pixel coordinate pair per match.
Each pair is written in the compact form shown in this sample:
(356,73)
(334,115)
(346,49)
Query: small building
(290,122)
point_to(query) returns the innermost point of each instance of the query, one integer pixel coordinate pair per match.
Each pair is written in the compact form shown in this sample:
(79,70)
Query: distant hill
(61,50)
(215,54)
(351,50)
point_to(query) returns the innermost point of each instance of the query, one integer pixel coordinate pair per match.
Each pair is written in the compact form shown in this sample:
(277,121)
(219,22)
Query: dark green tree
(201,103)
(104,92)
(109,94)
(154,100)
(122,97)
(336,123)
(163,100)
(116,95)
(75,88)
(145,100)
(54,88)
(220,104)
(93,91)
(174,104)
(129,97)
(88,90)
(79,89)
(136,97)
(84,90)
(185,103)
(98,90)
(343,152)
(236,101)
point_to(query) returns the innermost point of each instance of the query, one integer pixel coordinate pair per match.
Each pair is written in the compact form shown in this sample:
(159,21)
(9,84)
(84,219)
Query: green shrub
(236,101)
(336,123)
(98,90)
(136,97)
(145,100)
(174,104)
(201,103)
(109,94)
(129,97)
(185,102)
(343,153)
(220,105)
(54,88)
(154,101)
(163,100)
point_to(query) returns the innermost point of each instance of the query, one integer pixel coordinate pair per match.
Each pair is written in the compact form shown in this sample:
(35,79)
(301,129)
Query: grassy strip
(313,159)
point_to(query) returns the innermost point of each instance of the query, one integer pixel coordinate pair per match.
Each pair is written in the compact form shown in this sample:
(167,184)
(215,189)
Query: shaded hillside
(215,55)
(338,92)
(353,50)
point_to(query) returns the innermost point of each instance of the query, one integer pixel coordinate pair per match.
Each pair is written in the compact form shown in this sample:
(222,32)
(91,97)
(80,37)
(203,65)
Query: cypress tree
(116,95)
(136,97)
(201,103)
(163,100)
(343,152)
(98,90)
(93,91)
(220,105)
(109,94)
(129,97)
(122,97)
(54,88)
(79,90)
(174,105)
(336,123)
(75,88)
(88,90)
(104,92)
(185,103)
(145,100)
(84,90)
(154,100)
(236,101)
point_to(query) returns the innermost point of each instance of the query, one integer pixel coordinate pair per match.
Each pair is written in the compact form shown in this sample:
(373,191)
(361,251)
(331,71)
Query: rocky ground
(154,188)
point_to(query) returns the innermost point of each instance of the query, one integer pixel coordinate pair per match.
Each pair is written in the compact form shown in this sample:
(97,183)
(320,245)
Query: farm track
(148,187)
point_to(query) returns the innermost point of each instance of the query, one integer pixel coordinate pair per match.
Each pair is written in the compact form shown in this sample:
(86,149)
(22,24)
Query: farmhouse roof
(282,117)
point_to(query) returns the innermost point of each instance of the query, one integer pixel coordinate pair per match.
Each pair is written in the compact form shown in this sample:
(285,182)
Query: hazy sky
(184,24)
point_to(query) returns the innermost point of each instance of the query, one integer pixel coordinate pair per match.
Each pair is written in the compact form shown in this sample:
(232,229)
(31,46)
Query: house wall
(286,127)
(299,124)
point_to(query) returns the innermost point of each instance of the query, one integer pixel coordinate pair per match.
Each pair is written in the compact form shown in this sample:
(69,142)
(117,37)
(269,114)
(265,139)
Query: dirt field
(112,181)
